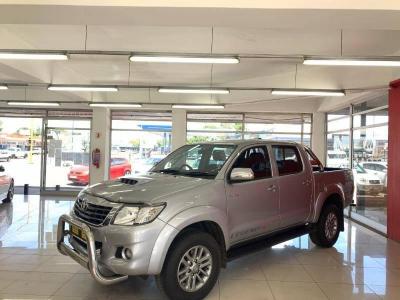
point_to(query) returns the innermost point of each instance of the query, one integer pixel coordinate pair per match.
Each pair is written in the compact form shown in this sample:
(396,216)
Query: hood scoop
(129,181)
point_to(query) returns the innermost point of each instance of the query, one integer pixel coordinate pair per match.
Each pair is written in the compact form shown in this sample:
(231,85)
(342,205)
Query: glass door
(67,154)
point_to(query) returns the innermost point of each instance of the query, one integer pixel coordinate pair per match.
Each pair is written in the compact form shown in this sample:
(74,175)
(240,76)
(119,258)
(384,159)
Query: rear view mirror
(242,174)
(2,169)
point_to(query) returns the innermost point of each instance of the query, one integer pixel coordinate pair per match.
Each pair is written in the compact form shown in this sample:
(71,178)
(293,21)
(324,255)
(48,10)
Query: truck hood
(145,188)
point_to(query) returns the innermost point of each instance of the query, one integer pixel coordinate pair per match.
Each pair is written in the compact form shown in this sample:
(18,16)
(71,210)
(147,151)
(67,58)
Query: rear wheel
(191,267)
(10,193)
(127,172)
(326,232)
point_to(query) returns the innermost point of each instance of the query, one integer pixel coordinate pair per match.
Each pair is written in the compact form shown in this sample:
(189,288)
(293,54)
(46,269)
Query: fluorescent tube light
(305,92)
(193,91)
(352,62)
(198,106)
(121,105)
(18,103)
(184,59)
(33,56)
(3,87)
(78,88)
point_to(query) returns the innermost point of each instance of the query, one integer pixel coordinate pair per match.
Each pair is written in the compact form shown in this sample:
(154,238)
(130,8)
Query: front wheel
(326,232)
(191,267)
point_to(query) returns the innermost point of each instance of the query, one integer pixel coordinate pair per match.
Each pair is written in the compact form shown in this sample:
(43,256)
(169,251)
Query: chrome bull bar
(87,261)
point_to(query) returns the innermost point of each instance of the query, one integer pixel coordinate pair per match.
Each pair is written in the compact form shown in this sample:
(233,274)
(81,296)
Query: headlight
(136,215)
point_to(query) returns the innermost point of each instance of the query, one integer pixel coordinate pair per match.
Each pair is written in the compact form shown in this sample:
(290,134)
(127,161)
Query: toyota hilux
(179,220)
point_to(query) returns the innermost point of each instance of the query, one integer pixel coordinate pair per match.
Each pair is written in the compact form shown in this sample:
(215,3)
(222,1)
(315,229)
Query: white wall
(100,138)
(318,136)
(178,128)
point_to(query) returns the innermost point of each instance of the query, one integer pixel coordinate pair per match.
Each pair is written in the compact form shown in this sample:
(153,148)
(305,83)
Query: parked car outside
(367,183)
(144,165)
(377,168)
(5,155)
(17,153)
(79,174)
(178,221)
(337,159)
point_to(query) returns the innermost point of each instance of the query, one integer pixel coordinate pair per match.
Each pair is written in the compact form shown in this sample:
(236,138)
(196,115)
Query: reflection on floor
(362,265)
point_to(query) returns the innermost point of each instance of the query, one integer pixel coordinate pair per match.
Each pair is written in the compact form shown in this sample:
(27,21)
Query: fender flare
(179,222)
(327,191)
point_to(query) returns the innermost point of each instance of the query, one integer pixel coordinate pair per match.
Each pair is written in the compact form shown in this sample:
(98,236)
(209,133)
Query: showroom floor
(362,265)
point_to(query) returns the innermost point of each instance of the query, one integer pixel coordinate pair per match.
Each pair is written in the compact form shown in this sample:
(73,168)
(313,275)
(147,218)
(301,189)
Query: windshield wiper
(200,173)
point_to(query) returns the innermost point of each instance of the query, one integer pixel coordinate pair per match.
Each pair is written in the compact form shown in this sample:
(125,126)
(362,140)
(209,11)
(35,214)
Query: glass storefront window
(137,145)
(367,140)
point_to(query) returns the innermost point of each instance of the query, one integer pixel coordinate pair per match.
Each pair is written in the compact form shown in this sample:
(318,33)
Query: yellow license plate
(78,232)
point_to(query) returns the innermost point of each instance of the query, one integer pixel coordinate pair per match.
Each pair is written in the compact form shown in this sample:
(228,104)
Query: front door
(253,206)
(295,185)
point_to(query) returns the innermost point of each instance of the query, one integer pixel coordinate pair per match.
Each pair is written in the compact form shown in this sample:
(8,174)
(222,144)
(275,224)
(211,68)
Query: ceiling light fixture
(3,87)
(116,105)
(19,103)
(81,88)
(352,62)
(308,92)
(193,91)
(198,106)
(184,59)
(33,56)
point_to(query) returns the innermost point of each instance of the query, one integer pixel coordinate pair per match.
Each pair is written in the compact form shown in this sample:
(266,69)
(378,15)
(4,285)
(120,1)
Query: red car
(118,167)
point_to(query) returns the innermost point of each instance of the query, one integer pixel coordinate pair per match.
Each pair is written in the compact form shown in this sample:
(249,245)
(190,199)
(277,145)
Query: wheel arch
(207,219)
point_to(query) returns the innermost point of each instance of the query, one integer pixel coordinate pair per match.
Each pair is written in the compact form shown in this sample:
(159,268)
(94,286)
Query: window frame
(300,156)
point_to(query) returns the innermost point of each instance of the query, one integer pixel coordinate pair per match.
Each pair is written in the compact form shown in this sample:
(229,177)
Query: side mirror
(2,169)
(242,174)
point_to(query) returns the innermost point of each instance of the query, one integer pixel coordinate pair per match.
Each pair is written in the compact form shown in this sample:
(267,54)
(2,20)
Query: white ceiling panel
(345,77)
(150,39)
(371,42)
(276,41)
(255,73)
(170,74)
(47,37)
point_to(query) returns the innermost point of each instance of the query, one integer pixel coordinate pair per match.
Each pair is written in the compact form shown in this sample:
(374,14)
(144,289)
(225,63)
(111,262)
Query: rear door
(295,185)
(253,206)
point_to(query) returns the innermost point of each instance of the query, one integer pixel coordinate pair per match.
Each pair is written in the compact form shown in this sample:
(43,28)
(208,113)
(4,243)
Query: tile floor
(362,265)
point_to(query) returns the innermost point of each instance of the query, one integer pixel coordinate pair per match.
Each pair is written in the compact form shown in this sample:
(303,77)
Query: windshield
(202,160)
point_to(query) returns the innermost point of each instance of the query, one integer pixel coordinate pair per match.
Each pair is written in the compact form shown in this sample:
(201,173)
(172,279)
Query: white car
(337,159)
(144,165)
(377,168)
(366,183)
(5,155)
(6,186)
(17,153)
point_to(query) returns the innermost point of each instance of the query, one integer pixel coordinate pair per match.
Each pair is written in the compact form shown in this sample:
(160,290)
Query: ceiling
(270,53)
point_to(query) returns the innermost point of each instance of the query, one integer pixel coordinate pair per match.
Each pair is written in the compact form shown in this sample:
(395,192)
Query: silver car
(178,221)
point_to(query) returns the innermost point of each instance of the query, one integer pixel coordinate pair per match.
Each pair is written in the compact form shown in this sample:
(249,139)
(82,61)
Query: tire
(127,172)
(326,232)
(10,193)
(168,281)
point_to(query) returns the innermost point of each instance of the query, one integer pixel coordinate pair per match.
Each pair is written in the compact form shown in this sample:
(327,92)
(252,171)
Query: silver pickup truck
(179,220)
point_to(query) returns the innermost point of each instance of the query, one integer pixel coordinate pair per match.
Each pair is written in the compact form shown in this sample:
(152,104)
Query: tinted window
(287,159)
(257,159)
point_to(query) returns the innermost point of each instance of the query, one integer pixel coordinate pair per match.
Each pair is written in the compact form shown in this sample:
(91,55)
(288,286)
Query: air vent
(128,181)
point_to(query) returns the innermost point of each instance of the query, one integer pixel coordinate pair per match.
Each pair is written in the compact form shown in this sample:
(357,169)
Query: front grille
(374,181)
(91,213)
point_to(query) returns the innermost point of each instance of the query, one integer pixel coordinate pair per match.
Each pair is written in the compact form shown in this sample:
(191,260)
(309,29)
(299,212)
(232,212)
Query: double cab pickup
(178,221)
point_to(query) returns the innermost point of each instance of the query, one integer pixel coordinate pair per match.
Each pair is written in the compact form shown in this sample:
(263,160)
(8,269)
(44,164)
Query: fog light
(126,253)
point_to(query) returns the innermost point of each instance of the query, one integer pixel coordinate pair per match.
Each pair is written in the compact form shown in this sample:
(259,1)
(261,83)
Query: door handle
(272,188)
(306,182)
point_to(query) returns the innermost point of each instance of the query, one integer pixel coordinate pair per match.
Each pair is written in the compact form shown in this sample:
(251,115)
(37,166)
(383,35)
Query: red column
(393,197)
